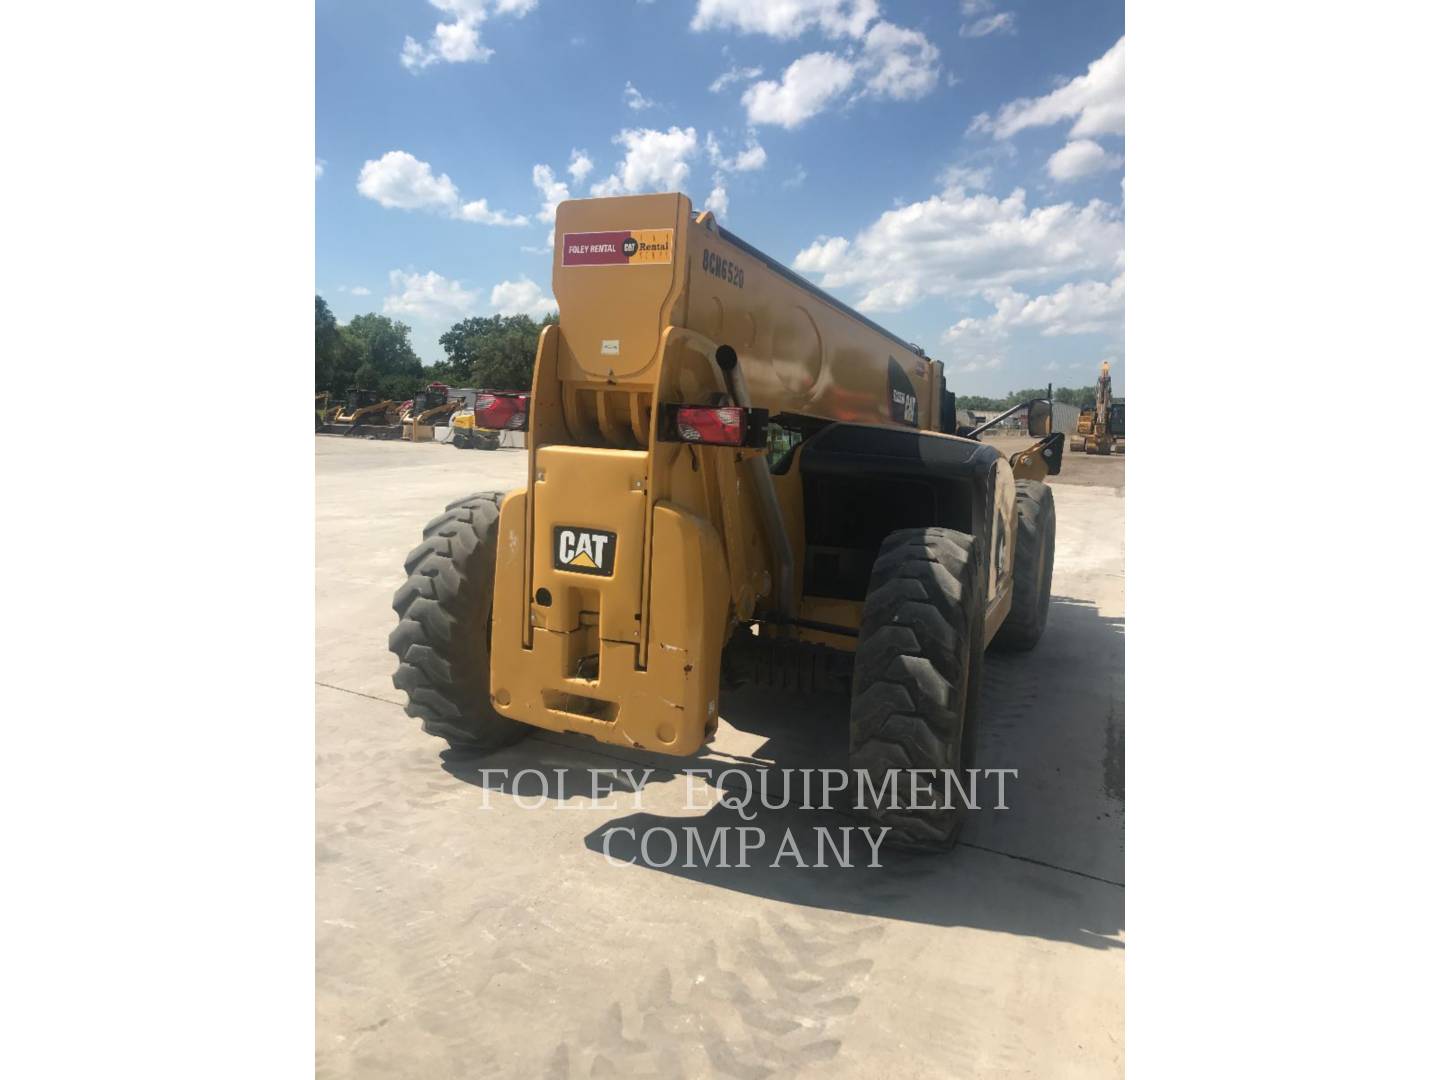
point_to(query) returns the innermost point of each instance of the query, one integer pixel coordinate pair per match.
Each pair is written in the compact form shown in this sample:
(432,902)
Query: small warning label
(631,247)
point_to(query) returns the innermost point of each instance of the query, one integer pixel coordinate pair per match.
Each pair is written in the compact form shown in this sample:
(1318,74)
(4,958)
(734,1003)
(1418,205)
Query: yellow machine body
(628,561)
(355,414)
(420,426)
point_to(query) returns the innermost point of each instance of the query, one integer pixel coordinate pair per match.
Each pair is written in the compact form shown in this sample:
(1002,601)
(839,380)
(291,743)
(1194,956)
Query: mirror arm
(1004,416)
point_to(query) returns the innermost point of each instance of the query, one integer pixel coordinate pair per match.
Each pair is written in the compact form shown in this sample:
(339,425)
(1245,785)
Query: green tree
(386,344)
(494,352)
(1080,396)
(327,345)
(977,403)
(374,353)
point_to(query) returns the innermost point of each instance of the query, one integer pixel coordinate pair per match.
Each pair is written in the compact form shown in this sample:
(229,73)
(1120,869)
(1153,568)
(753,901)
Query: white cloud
(734,75)
(1095,100)
(1078,158)
(966,176)
(355,290)
(319,168)
(414,56)
(901,63)
(635,99)
(718,200)
(1077,307)
(580,166)
(654,161)
(893,62)
(479,211)
(552,193)
(972,330)
(1093,365)
(987,364)
(824,255)
(957,243)
(1002,22)
(521,297)
(795,179)
(786,19)
(808,85)
(749,159)
(458,41)
(429,296)
(401,181)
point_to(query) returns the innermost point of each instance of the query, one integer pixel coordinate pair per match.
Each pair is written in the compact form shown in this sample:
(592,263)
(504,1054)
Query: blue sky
(954,169)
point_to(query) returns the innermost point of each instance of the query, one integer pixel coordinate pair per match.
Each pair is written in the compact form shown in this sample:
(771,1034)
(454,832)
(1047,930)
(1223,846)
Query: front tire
(916,680)
(1034,567)
(443,640)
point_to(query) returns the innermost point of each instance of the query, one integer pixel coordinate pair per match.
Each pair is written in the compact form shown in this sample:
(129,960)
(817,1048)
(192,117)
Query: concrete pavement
(459,940)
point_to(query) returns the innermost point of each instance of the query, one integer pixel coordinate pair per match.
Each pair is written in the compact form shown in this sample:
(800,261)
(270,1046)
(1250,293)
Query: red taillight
(502,412)
(723,426)
(715,425)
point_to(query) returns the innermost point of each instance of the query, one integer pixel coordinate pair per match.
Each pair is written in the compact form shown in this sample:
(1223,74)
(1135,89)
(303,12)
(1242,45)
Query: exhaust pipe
(764,483)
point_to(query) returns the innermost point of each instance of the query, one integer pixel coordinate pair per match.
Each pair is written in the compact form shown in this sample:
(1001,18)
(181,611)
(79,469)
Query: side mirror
(1039,419)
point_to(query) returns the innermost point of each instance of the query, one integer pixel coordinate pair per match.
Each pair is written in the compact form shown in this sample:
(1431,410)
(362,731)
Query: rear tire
(917,679)
(443,640)
(1034,567)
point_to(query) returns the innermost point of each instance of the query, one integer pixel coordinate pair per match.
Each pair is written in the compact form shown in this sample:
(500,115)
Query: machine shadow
(1049,865)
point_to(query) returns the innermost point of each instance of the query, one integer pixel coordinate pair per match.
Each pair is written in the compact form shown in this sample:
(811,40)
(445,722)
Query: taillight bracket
(713,425)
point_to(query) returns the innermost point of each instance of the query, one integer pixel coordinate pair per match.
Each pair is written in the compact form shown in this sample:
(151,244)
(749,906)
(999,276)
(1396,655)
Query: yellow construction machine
(431,408)
(364,412)
(1101,427)
(729,469)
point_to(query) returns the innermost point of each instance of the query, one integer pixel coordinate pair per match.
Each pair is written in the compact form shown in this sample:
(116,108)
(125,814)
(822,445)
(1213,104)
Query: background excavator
(729,470)
(364,412)
(431,408)
(1101,428)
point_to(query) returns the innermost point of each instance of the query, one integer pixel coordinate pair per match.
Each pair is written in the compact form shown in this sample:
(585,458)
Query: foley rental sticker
(632,247)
